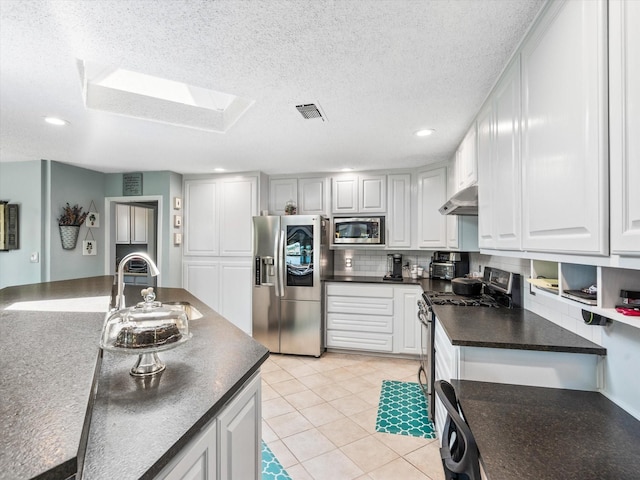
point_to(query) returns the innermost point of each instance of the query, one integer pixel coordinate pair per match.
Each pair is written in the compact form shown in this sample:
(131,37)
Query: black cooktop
(450,298)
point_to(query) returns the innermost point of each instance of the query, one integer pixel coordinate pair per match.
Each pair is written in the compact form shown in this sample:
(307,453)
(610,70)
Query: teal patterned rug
(403,410)
(271,467)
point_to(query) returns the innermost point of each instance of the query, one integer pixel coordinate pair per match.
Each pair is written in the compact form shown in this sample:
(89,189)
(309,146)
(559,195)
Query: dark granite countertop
(134,426)
(515,328)
(546,433)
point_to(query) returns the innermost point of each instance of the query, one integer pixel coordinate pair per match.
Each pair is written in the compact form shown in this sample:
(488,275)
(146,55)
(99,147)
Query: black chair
(459,452)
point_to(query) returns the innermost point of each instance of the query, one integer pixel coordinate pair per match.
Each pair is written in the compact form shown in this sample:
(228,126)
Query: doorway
(133,225)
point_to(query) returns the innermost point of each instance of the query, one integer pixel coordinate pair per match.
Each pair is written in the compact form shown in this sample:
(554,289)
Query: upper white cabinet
(499,165)
(281,191)
(624,131)
(132,224)
(466,161)
(564,130)
(218,216)
(372,196)
(399,210)
(312,196)
(432,193)
(308,193)
(359,194)
(238,204)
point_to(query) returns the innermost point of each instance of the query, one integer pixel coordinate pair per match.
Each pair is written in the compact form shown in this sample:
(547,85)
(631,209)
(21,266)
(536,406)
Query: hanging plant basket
(69,236)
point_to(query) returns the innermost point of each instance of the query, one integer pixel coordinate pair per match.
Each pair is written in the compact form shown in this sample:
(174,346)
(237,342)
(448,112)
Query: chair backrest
(459,451)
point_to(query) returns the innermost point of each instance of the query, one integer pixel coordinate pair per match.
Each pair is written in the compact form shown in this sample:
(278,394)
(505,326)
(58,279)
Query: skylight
(138,95)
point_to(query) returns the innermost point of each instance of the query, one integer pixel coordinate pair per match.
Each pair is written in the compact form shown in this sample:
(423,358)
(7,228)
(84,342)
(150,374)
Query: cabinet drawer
(360,305)
(360,323)
(376,342)
(347,290)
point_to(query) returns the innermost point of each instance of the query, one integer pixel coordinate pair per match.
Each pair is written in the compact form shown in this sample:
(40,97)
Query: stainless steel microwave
(358,230)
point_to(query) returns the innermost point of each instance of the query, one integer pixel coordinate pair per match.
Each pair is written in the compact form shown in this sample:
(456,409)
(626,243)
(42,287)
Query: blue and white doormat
(403,410)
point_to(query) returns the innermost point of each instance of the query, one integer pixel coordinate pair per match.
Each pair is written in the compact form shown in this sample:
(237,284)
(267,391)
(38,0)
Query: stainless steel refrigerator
(291,258)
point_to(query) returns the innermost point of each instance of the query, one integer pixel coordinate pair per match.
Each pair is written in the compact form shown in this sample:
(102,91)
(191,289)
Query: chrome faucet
(153,270)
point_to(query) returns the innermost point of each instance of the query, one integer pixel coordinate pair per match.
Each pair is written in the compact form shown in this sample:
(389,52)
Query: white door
(372,193)
(564,130)
(399,215)
(432,225)
(200,222)
(238,204)
(506,181)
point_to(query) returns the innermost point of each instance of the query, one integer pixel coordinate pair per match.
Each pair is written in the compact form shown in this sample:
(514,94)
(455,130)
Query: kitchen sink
(192,312)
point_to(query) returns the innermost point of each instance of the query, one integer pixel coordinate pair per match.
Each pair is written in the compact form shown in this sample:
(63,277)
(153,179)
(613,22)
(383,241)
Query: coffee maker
(394,268)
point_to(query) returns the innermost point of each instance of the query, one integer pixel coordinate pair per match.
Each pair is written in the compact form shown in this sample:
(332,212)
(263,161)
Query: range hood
(465,202)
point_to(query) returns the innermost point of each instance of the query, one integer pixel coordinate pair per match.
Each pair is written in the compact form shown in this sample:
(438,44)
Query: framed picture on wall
(93,220)
(89,247)
(177,221)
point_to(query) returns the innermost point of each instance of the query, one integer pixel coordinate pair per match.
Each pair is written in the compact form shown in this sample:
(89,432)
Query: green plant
(72,215)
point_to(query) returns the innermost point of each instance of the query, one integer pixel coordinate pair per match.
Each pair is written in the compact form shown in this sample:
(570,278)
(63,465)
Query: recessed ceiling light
(425,132)
(56,121)
(219,169)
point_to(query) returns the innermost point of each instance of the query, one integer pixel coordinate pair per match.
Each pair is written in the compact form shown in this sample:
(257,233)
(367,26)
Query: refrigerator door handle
(281,266)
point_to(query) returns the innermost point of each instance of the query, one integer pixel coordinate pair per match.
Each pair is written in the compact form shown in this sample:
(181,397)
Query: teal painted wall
(22,183)
(79,186)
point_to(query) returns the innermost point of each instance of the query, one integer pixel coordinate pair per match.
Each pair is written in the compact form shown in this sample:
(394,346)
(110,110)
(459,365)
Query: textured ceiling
(379,69)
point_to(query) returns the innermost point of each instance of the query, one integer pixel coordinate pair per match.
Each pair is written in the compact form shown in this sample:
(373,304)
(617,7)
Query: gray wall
(79,186)
(168,185)
(22,183)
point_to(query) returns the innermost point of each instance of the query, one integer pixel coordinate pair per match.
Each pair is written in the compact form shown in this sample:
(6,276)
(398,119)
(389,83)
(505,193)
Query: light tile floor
(319,417)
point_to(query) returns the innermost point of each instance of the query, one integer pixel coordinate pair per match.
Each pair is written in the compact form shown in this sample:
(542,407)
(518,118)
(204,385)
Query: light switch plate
(35,257)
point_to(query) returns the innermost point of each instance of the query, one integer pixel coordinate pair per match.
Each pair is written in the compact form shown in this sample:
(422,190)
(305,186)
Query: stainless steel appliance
(501,289)
(464,202)
(426,372)
(357,230)
(449,265)
(291,257)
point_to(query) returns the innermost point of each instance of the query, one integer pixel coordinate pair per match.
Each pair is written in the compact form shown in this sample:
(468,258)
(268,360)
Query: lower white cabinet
(229,446)
(406,327)
(360,317)
(224,285)
(374,318)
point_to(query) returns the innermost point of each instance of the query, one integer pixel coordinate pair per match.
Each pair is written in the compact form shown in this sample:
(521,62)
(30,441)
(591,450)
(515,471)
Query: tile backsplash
(373,263)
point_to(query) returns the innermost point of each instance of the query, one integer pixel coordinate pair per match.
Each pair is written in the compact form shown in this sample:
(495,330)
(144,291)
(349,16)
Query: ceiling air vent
(309,111)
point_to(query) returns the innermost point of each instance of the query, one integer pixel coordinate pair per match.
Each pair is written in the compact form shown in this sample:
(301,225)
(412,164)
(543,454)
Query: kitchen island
(67,407)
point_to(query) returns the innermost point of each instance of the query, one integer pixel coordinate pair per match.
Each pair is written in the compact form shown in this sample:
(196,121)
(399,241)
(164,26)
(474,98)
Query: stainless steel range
(501,289)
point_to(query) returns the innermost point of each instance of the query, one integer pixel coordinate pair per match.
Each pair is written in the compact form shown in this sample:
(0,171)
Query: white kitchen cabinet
(344,193)
(229,446)
(359,194)
(200,218)
(132,224)
(240,434)
(308,193)
(197,461)
(499,165)
(624,127)
(238,204)
(281,191)
(399,211)
(432,193)
(564,130)
(218,216)
(466,161)
(407,328)
(360,317)
(224,285)
(372,195)
(312,196)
